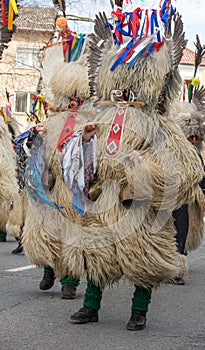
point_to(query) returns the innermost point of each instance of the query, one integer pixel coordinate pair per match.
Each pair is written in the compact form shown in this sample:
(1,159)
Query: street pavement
(31,319)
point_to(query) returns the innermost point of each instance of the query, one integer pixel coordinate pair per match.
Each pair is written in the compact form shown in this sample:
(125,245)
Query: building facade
(20,67)
(19,64)
(186,68)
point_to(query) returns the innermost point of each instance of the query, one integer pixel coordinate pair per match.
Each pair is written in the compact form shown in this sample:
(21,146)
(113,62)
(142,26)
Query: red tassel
(4,20)
(136,22)
(147,23)
(159,44)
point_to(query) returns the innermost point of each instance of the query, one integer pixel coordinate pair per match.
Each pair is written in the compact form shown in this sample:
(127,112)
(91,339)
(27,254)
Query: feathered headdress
(151,71)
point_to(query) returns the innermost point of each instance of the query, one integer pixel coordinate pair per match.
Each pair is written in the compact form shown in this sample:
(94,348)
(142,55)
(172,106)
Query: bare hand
(134,156)
(88,131)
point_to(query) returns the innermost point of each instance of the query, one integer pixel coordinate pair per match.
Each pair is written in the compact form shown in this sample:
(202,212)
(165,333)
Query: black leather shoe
(47,281)
(179,281)
(2,238)
(137,321)
(85,315)
(18,250)
(68,292)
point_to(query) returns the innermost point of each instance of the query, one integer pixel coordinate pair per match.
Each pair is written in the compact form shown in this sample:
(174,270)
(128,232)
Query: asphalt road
(34,320)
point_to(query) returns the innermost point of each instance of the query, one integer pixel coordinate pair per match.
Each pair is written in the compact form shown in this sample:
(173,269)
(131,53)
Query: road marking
(22,268)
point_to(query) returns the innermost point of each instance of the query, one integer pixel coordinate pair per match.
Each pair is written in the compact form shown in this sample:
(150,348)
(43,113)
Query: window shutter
(21,102)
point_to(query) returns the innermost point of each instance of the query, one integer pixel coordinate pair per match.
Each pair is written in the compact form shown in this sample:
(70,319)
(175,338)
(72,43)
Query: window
(27,57)
(23,102)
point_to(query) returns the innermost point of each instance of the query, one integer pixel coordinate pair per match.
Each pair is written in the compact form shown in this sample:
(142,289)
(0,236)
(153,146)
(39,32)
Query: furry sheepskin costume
(18,209)
(190,117)
(127,228)
(17,214)
(8,181)
(42,244)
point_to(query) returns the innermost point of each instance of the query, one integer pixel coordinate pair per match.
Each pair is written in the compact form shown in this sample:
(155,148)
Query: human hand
(88,131)
(134,156)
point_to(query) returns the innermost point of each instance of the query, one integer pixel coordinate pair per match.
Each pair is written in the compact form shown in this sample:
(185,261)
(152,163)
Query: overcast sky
(192,11)
(193,15)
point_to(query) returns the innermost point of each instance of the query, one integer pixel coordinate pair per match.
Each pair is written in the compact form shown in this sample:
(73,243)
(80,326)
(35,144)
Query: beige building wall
(15,79)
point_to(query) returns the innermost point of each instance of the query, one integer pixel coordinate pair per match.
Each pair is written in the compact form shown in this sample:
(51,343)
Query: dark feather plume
(199,53)
(177,46)
(102,34)
(199,98)
(60,4)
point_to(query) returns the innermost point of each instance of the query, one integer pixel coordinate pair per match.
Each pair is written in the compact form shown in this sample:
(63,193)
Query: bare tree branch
(79,18)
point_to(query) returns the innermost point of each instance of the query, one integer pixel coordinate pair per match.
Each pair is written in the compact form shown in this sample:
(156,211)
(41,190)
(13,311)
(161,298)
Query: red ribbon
(119,14)
(68,130)
(135,26)
(115,133)
(147,22)
(159,44)
(4,20)
(133,50)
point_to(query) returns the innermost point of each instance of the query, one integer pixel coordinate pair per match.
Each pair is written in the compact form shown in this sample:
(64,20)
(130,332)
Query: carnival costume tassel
(145,27)
(36,168)
(12,9)
(78,165)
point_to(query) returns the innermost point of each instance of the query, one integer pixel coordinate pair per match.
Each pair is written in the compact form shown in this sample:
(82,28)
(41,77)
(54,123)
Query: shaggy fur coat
(8,181)
(128,228)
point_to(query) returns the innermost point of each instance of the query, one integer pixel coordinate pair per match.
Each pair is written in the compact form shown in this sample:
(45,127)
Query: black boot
(85,315)
(68,292)
(47,281)
(137,321)
(178,281)
(18,250)
(2,238)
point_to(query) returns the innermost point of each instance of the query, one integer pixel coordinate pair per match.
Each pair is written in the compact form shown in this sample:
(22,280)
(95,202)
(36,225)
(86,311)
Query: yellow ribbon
(13,3)
(12,9)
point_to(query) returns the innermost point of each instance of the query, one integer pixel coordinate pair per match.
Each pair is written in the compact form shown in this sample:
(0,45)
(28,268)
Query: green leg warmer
(141,298)
(69,281)
(49,269)
(3,233)
(93,296)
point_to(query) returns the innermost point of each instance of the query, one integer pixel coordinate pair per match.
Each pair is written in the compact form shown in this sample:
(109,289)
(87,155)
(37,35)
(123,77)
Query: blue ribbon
(120,30)
(77,200)
(150,49)
(117,42)
(7,5)
(35,187)
(122,57)
(164,6)
(77,50)
(165,13)
(134,59)
(153,24)
(22,137)
(34,105)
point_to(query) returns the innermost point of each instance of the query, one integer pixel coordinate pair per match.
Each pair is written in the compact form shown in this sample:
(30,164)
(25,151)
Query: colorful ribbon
(74,46)
(12,10)
(146,27)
